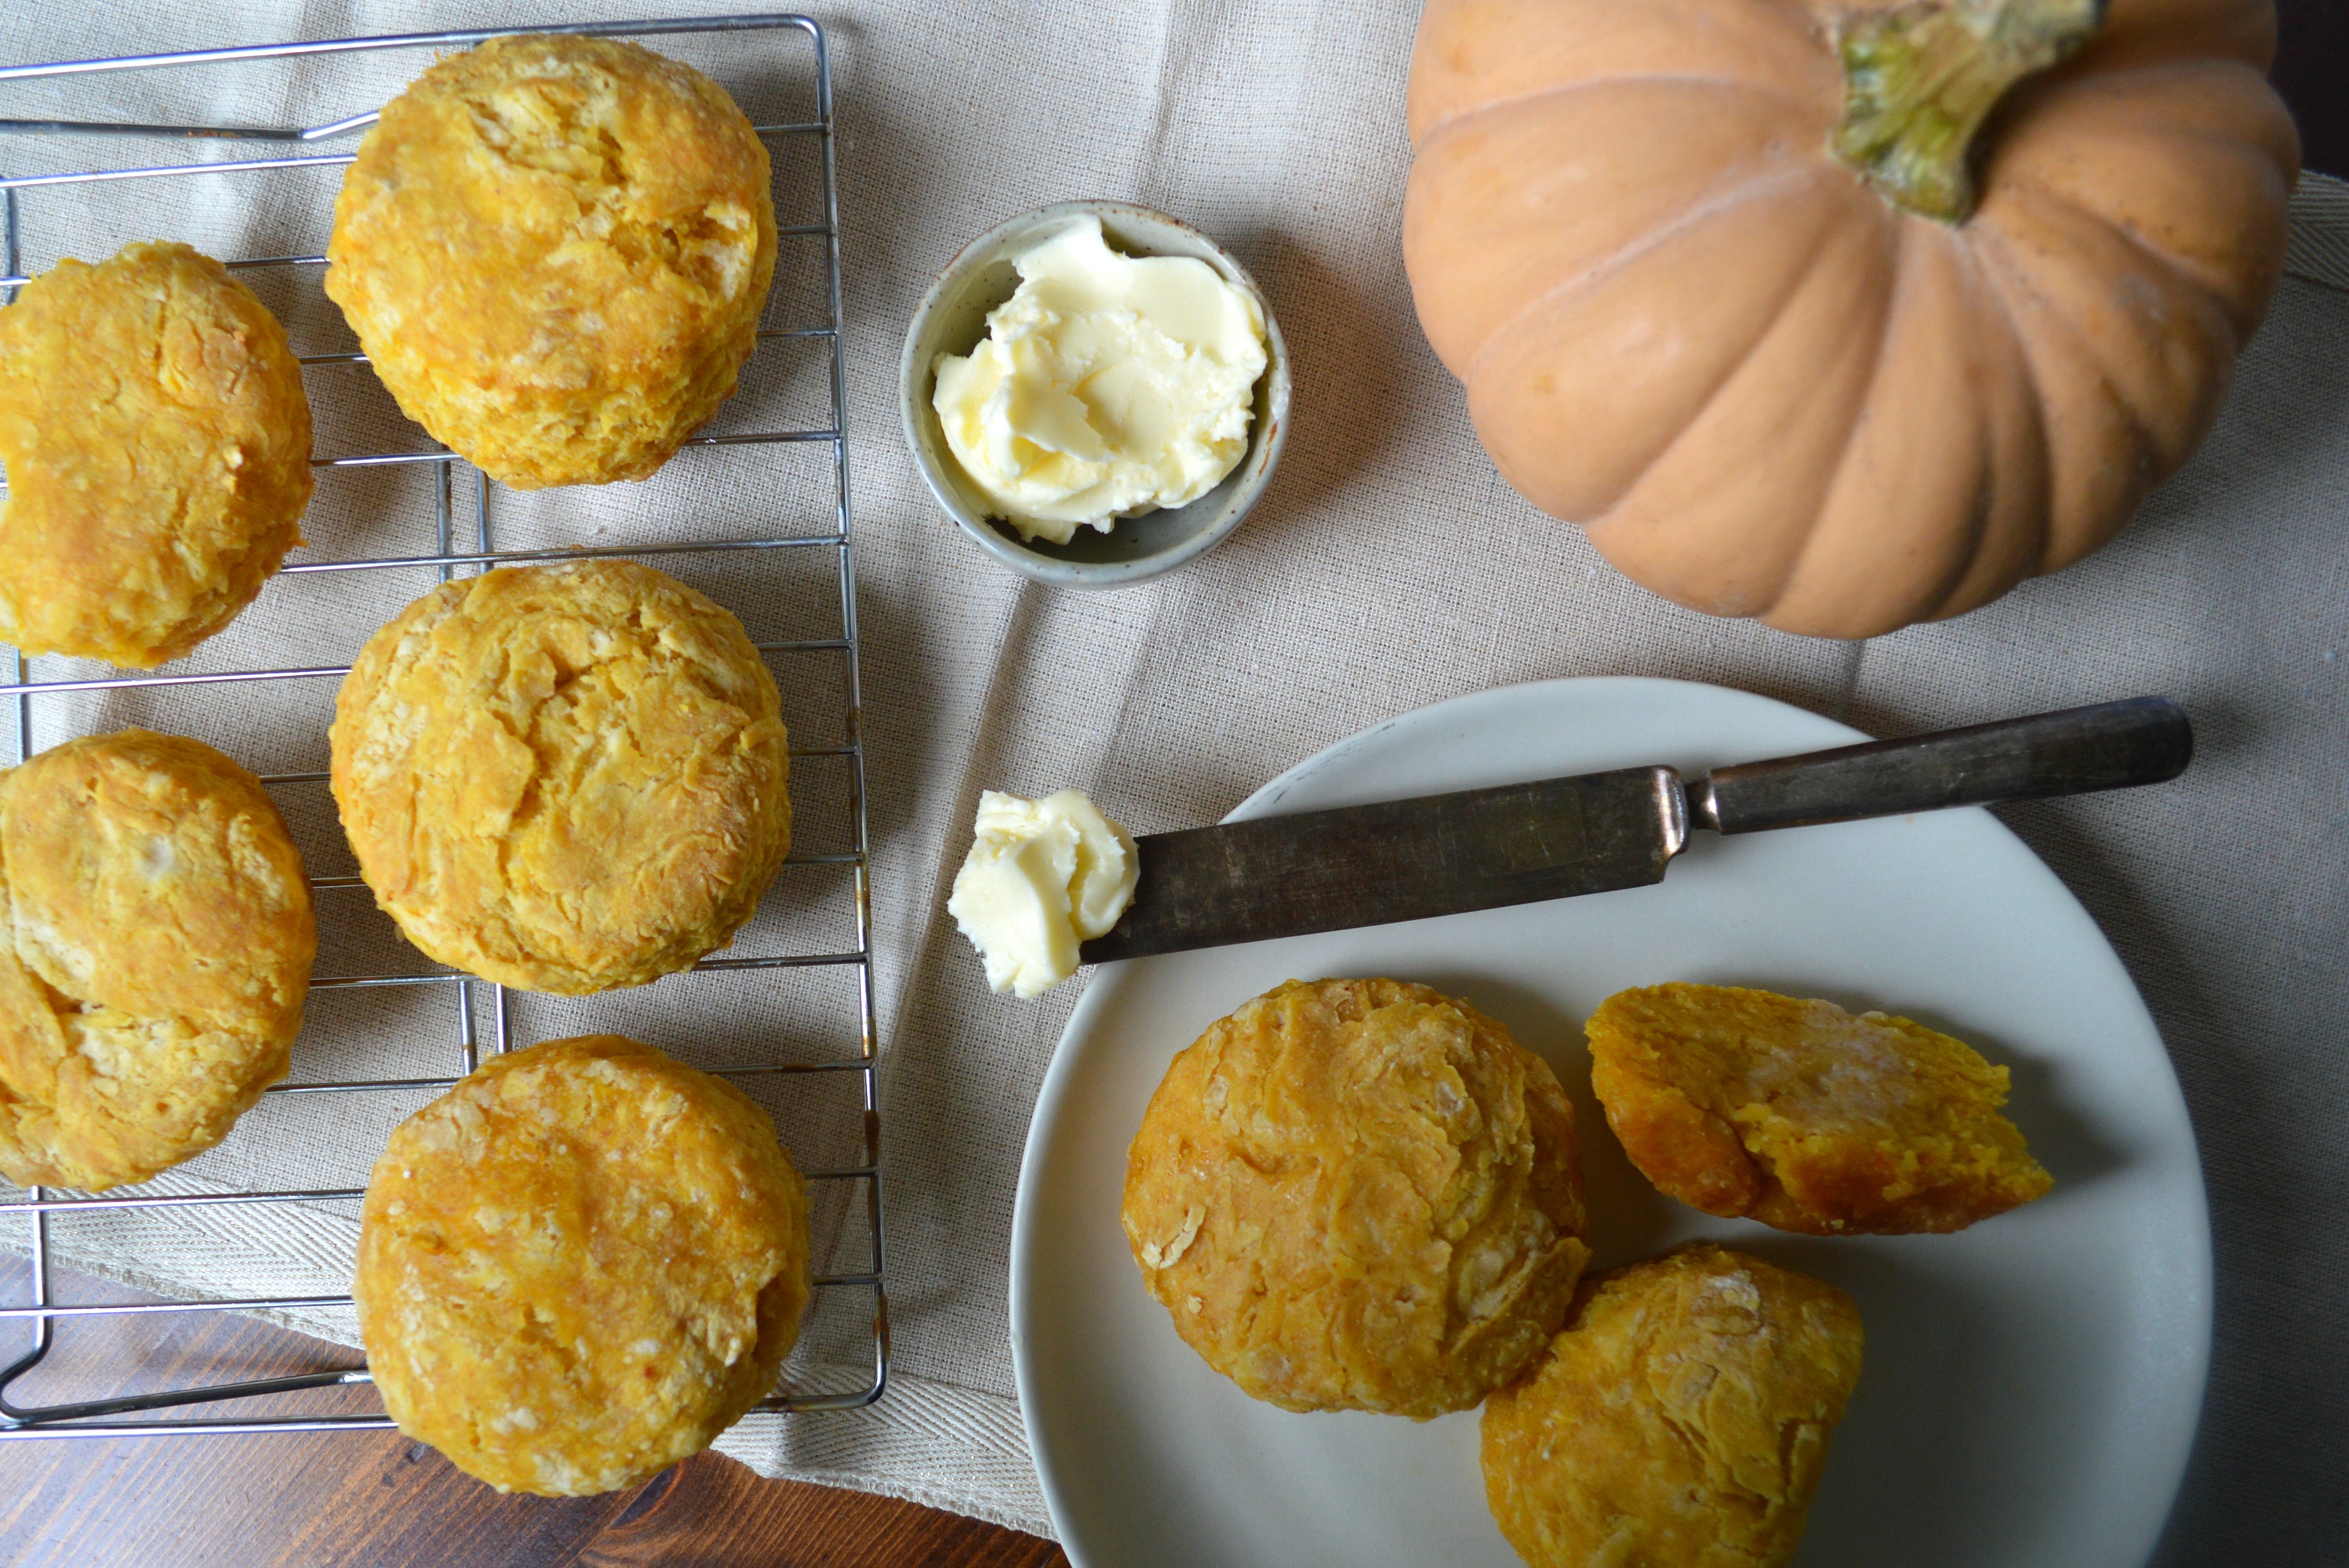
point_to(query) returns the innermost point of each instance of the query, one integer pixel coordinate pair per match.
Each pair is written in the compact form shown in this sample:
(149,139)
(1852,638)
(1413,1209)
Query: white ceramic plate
(2032,1385)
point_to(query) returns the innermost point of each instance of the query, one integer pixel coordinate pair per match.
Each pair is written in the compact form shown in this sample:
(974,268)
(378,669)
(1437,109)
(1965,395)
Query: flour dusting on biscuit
(156,937)
(580,1265)
(566,778)
(554,249)
(157,441)
(1359,1195)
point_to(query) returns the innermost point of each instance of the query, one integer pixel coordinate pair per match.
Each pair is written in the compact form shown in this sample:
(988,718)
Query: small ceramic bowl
(953,320)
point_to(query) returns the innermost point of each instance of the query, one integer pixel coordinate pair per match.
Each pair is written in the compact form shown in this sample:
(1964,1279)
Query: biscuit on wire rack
(1679,1420)
(580,1265)
(566,778)
(1801,1116)
(155,944)
(1359,1195)
(554,249)
(157,441)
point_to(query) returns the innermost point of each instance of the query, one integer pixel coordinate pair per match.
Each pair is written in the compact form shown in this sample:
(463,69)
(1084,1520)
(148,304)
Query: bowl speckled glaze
(952,319)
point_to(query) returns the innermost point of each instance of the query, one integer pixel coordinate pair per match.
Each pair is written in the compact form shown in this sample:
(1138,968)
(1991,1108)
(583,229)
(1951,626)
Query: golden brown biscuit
(564,777)
(554,251)
(155,947)
(1680,1420)
(156,443)
(580,1265)
(1801,1116)
(1359,1195)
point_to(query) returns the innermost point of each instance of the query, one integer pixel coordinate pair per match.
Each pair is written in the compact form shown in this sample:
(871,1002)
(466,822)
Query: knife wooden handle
(2113,744)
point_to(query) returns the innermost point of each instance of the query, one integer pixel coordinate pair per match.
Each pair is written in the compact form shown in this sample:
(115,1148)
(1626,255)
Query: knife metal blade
(1399,860)
(1522,844)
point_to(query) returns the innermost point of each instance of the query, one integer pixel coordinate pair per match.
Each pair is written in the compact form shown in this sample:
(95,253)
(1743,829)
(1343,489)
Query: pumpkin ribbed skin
(1764,389)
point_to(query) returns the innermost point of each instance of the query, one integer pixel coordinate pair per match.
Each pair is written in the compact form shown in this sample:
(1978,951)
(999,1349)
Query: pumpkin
(1839,317)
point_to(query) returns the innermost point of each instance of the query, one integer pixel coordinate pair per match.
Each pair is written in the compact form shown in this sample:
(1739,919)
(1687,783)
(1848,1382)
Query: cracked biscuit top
(564,778)
(580,1265)
(1359,1195)
(554,251)
(1679,1420)
(156,443)
(155,946)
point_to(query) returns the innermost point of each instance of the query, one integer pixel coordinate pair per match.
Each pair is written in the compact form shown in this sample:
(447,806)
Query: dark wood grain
(376,1499)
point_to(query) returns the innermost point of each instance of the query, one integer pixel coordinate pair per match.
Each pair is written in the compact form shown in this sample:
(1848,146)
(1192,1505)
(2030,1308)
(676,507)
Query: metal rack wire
(49,1318)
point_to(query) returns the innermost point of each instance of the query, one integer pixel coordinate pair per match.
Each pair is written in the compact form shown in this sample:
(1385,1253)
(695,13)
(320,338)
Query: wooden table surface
(375,1500)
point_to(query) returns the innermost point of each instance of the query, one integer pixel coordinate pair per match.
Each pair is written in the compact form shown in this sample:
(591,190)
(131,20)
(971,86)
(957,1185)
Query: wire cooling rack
(793,518)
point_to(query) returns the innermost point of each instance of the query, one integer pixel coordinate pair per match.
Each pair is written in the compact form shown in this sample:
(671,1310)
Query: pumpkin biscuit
(155,946)
(564,778)
(1804,1117)
(157,441)
(554,251)
(1359,1195)
(1680,1420)
(579,1266)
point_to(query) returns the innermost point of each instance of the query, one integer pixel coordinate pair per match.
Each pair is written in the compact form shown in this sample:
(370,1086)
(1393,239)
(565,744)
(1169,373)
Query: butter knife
(1558,838)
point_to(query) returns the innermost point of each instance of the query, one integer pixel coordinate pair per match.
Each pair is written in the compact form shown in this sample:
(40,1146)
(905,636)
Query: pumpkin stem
(1919,80)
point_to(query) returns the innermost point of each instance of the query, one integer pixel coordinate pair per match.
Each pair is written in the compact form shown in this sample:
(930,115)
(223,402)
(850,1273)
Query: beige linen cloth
(1387,568)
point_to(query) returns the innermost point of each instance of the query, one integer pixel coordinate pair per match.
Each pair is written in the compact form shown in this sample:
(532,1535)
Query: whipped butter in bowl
(1107,386)
(1095,392)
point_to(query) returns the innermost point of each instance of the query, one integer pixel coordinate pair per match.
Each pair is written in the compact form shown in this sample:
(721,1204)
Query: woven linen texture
(1387,567)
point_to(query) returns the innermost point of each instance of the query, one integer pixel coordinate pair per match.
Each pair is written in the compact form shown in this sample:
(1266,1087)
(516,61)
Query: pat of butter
(1105,386)
(1043,876)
